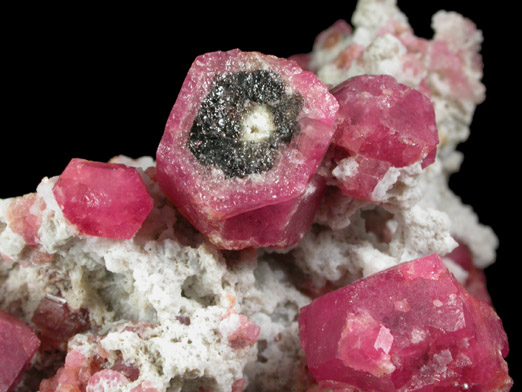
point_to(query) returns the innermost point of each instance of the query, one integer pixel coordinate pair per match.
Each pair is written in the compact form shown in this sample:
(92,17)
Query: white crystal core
(258,124)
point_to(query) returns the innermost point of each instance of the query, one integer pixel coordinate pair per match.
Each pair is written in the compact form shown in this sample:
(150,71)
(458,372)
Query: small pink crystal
(346,58)
(18,344)
(411,327)
(382,124)
(24,217)
(245,335)
(244,140)
(66,379)
(333,35)
(106,380)
(332,40)
(74,375)
(239,385)
(103,199)
(454,57)
(476,280)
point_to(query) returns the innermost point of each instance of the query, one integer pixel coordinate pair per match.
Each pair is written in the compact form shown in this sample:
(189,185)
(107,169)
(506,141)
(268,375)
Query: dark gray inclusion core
(215,136)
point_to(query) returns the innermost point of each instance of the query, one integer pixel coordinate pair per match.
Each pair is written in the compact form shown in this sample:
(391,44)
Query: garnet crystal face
(383,124)
(18,344)
(243,142)
(103,199)
(411,327)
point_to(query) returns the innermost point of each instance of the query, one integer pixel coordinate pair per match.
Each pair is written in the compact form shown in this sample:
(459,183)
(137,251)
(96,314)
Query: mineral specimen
(103,199)
(241,146)
(249,161)
(407,328)
(18,344)
(382,125)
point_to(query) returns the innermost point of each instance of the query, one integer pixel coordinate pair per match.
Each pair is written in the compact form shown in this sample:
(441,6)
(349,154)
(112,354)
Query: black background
(94,82)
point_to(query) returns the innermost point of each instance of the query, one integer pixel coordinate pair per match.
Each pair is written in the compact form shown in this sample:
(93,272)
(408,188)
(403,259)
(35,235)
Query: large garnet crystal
(409,328)
(243,142)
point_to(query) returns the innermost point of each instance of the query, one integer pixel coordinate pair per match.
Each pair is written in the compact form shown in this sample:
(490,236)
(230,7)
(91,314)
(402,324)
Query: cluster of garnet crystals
(241,150)
(239,159)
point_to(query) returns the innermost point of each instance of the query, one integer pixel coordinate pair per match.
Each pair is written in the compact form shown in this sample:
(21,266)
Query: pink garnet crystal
(409,328)
(18,344)
(382,124)
(243,142)
(476,280)
(103,199)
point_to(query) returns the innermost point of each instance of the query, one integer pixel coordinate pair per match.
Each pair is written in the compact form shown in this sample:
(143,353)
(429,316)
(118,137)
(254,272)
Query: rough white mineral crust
(167,301)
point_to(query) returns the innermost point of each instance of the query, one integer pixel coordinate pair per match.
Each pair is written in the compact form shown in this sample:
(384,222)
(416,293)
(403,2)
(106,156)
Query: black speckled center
(217,134)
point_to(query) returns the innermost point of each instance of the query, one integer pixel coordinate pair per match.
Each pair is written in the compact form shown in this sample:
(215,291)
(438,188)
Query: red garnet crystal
(56,322)
(243,142)
(103,199)
(18,344)
(409,328)
(382,124)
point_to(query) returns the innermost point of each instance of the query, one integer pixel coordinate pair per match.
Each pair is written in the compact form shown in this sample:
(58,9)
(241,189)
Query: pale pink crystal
(66,379)
(103,199)
(381,124)
(106,380)
(454,56)
(348,55)
(91,372)
(6,258)
(24,217)
(74,375)
(245,335)
(333,35)
(411,327)
(239,385)
(18,344)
